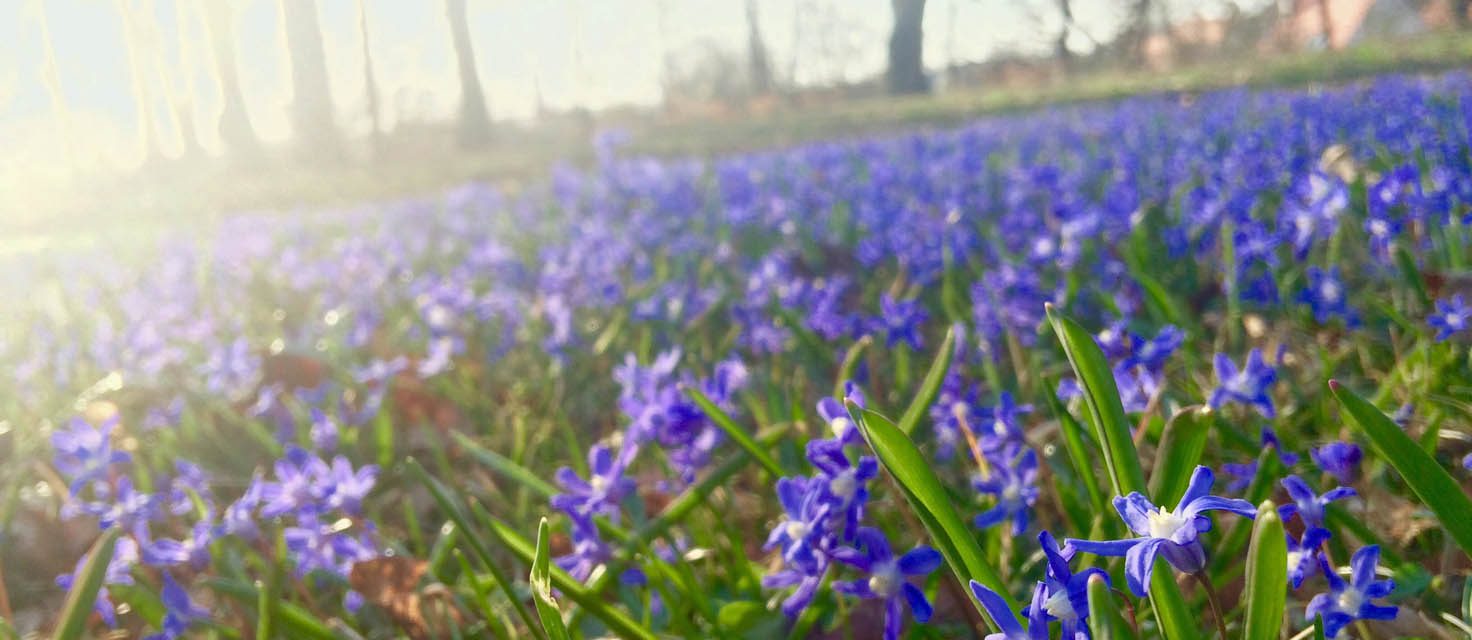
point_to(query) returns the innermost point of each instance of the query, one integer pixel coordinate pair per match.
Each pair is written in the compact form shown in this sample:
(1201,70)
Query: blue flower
(1326,297)
(887,577)
(806,579)
(588,548)
(1004,426)
(1347,602)
(841,484)
(1452,316)
(836,418)
(1303,555)
(1003,617)
(1065,596)
(119,571)
(1339,459)
(804,535)
(1248,386)
(1308,505)
(1013,481)
(1173,534)
(179,611)
(900,321)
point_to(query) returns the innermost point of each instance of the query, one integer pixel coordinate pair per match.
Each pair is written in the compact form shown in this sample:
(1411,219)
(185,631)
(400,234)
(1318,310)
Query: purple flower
(605,488)
(1308,505)
(1339,459)
(324,547)
(1347,602)
(1173,534)
(1002,615)
(1013,482)
(887,577)
(239,519)
(119,571)
(588,548)
(806,579)
(1303,555)
(1248,386)
(1004,424)
(323,432)
(84,453)
(1452,316)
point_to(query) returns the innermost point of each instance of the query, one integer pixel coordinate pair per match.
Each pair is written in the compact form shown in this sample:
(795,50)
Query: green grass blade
(1266,593)
(1176,619)
(1111,427)
(454,513)
(1181,446)
(541,582)
(1319,627)
(618,623)
(734,430)
(83,594)
(1080,451)
(850,363)
(504,466)
(1105,619)
(295,622)
(929,387)
(952,535)
(1431,483)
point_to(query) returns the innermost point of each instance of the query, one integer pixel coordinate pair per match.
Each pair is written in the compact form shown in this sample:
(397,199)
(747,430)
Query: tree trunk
(234,126)
(311,100)
(756,48)
(906,67)
(1327,21)
(370,81)
(142,96)
(1060,44)
(1459,13)
(475,122)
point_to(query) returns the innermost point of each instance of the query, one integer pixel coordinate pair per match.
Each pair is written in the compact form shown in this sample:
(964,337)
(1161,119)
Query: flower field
(1171,367)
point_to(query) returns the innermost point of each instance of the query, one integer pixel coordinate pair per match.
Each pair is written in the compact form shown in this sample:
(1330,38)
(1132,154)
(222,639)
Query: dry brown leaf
(392,584)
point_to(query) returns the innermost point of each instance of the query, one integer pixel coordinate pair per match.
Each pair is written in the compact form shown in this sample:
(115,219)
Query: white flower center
(844,485)
(840,425)
(796,529)
(1294,559)
(599,483)
(1329,291)
(1059,606)
(885,580)
(1011,492)
(1350,600)
(999,427)
(1164,524)
(1379,227)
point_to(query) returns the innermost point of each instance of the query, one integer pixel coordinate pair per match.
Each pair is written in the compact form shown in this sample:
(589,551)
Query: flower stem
(1214,601)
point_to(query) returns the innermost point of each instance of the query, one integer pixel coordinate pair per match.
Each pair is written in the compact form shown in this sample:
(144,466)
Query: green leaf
(1081,451)
(1111,426)
(850,362)
(1177,620)
(1431,483)
(930,501)
(929,387)
(749,619)
(1266,591)
(1105,618)
(1181,446)
(504,466)
(83,594)
(1412,275)
(1318,627)
(542,587)
(735,431)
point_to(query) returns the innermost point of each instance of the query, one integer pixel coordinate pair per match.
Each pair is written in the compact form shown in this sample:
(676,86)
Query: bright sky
(591,53)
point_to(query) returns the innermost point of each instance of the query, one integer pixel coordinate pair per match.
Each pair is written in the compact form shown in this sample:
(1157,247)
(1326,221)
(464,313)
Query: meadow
(1180,366)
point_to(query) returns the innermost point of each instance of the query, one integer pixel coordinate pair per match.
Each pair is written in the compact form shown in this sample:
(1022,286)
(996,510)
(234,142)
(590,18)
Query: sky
(565,53)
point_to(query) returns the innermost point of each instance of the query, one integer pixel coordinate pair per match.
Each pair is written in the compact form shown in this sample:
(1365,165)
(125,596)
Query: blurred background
(119,113)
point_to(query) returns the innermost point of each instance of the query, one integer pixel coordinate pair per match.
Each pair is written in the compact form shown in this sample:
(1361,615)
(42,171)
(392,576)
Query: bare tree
(1459,13)
(182,101)
(311,99)
(370,81)
(475,121)
(756,53)
(1060,43)
(234,126)
(906,72)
